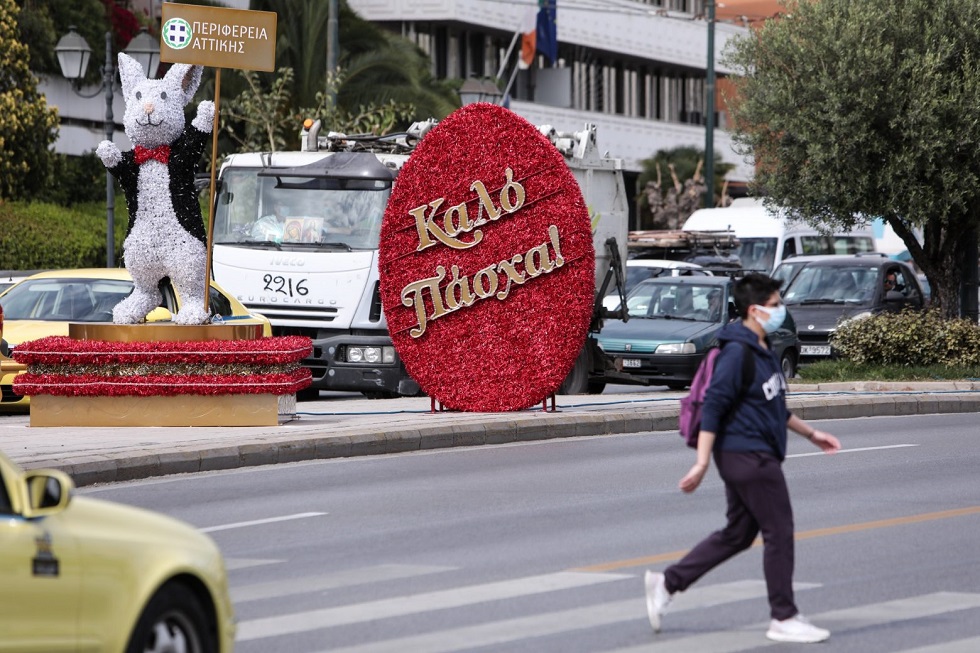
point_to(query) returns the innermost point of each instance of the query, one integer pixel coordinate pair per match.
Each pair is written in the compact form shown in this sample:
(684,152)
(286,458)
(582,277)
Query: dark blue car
(672,323)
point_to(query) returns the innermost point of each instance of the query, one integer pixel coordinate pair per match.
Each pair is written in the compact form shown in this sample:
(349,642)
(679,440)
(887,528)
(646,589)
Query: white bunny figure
(165,236)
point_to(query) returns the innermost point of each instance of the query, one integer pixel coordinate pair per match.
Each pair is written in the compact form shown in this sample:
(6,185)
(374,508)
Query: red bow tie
(143,154)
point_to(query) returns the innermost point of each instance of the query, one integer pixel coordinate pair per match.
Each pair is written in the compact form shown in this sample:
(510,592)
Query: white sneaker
(796,629)
(658,598)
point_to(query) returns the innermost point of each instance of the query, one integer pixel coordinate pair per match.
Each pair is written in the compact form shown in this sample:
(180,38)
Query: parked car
(80,574)
(789,268)
(45,303)
(826,292)
(10,277)
(672,323)
(641,269)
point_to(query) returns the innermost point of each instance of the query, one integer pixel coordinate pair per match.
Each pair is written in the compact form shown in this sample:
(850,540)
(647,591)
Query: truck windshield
(757,253)
(302,213)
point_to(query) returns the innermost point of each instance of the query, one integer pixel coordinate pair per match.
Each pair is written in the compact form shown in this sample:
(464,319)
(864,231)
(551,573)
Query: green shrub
(909,338)
(76,180)
(37,235)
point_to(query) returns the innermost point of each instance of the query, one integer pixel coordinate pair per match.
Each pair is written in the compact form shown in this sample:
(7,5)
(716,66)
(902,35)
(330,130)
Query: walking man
(745,431)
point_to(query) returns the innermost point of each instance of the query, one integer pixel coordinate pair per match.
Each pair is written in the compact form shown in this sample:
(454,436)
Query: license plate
(815,350)
(631,362)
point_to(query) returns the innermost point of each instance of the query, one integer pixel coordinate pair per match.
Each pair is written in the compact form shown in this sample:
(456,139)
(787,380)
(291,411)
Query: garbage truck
(296,238)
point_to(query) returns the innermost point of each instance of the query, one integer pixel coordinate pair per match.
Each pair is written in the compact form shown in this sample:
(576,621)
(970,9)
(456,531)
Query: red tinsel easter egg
(487,263)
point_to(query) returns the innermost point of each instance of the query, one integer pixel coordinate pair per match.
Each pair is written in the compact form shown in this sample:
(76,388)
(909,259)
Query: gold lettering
(486,204)
(485,282)
(516,188)
(540,266)
(412,296)
(553,234)
(465,294)
(426,226)
(508,268)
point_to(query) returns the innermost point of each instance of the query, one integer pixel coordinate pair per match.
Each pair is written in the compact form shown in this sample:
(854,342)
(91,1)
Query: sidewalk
(357,427)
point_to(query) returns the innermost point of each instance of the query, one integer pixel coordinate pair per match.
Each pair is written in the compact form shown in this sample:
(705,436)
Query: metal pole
(709,134)
(108,73)
(333,49)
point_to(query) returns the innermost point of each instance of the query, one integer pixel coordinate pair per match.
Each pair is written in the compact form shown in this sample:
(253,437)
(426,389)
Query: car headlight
(676,348)
(371,355)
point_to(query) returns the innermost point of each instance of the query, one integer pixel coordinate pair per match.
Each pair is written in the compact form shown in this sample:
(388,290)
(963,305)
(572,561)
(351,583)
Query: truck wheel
(173,621)
(577,381)
(596,387)
(380,394)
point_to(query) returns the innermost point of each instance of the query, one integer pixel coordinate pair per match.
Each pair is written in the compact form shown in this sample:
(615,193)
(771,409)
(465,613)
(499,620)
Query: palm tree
(377,66)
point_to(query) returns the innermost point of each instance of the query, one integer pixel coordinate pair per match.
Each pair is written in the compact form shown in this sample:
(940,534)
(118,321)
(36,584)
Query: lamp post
(709,134)
(73,56)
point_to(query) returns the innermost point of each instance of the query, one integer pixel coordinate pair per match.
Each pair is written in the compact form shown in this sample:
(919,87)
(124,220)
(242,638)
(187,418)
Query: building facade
(635,68)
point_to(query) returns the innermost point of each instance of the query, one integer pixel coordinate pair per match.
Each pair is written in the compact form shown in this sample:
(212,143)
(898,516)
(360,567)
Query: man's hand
(693,478)
(825,441)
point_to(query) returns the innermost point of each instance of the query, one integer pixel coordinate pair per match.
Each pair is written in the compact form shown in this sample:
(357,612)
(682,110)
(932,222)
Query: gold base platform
(162,332)
(181,410)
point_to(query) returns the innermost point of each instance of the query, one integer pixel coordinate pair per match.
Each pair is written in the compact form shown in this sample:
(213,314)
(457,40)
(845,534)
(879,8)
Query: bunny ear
(130,73)
(187,77)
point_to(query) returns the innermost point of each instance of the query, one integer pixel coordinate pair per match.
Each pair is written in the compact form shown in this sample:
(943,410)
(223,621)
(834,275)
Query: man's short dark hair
(752,289)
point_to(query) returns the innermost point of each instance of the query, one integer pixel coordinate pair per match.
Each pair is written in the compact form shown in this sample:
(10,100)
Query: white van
(766,239)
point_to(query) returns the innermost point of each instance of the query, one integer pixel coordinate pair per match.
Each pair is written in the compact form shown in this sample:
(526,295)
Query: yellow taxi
(85,575)
(44,304)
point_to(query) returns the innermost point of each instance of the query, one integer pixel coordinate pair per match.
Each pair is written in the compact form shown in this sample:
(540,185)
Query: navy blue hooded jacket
(761,416)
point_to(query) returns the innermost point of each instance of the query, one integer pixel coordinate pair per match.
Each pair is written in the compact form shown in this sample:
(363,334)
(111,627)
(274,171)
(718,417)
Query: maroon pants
(758,500)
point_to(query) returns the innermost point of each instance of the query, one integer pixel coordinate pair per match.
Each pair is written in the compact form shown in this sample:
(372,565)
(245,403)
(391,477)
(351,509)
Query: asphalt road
(540,547)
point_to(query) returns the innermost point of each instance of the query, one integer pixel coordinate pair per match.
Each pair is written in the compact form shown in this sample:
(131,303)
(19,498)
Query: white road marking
(260,522)
(971,645)
(418,603)
(592,616)
(855,450)
(345,578)
(232,564)
(862,616)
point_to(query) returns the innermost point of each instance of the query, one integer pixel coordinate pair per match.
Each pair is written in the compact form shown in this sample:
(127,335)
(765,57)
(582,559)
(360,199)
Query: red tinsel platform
(261,366)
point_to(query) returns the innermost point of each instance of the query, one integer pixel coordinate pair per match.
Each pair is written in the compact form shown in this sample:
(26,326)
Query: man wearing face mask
(745,432)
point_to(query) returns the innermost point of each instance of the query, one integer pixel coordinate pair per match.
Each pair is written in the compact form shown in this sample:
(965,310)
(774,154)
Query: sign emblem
(177,33)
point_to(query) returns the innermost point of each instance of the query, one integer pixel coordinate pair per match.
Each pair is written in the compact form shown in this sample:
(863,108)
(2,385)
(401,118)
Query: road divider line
(260,522)
(801,535)
(855,450)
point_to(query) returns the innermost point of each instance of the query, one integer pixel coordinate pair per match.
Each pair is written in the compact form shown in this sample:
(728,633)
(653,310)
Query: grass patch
(845,370)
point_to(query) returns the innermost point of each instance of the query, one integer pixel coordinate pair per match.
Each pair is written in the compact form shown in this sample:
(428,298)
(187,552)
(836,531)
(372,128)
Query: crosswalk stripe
(232,564)
(346,578)
(873,614)
(418,603)
(512,630)
(971,645)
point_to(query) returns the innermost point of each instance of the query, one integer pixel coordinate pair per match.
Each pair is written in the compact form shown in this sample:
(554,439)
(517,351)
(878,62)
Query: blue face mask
(776,315)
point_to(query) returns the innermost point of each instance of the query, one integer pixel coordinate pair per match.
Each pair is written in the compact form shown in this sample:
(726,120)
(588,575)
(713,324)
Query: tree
(378,66)
(859,108)
(27,126)
(655,183)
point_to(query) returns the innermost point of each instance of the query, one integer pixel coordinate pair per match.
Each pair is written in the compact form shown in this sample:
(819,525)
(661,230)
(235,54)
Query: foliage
(260,119)
(843,370)
(36,235)
(43,22)
(380,68)
(685,159)
(79,179)
(858,108)
(27,126)
(909,338)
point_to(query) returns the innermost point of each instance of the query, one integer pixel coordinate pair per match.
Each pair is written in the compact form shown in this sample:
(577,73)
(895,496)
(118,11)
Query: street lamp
(73,56)
(474,90)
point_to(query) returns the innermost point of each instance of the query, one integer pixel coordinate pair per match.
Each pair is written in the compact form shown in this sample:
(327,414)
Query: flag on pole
(528,40)
(540,34)
(548,30)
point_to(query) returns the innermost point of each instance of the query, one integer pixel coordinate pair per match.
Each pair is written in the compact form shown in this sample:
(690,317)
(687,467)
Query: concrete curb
(331,442)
